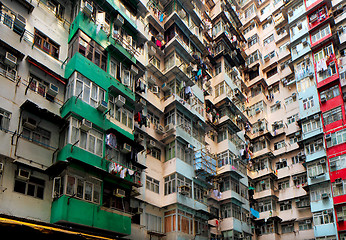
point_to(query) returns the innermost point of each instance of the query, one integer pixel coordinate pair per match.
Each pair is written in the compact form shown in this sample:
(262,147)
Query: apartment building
(123,119)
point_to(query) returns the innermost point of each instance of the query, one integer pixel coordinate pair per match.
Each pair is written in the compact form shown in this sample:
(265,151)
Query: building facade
(173,119)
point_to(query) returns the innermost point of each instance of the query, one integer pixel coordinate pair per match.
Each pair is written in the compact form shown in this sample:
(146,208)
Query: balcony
(265,193)
(153,17)
(302,32)
(323,177)
(253,174)
(279,37)
(315,155)
(296,14)
(312,133)
(264,152)
(308,72)
(237,169)
(74,211)
(270,236)
(325,230)
(342,35)
(247,20)
(235,225)
(298,54)
(176,43)
(341,17)
(322,204)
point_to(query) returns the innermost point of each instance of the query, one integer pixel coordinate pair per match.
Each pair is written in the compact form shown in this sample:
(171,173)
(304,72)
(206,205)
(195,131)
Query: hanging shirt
(123,173)
(158,43)
(188,90)
(161,17)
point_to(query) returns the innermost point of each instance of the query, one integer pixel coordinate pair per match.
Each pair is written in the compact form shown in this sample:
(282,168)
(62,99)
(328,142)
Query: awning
(254,213)
(288,220)
(42,113)
(46,70)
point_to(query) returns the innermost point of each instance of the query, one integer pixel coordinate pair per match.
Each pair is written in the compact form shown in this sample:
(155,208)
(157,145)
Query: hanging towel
(123,173)
(131,172)
(199,72)
(161,17)
(119,167)
(158,43)
(98,28)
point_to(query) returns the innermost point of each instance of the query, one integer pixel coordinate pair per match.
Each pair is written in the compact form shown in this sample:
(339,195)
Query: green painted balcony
(83,23)
(74,211)
(103,79)
(84,110)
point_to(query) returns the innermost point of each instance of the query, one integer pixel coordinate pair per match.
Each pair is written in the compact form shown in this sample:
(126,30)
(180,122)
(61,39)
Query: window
(256,108)
(305,225)
(252,40)
(330,93)
(263,185)
(154,223)
(272,72)
(46,44)
(336,138)
(178,220)
(332,115)
(266,25)
(287,228)
(265,9)
(249,28)
(305,84)
(294,139)
(303,202)
(286,205)
(218,69)
(261,164)
(155,152)
(120,114)
(32,187)
(323,217)
(279,145)
(268,40)
(38,85)
(170,117)
(315,170)
(339,187)
(184,153)
(174,181)
(198,193)
(299,180)
(5,117)
(225,184)
(308,103)
(88,48)
(290,100)
(311,125)
(339,162)
(281,164)
(313,147)
(221,88)
(292,119)
(152,184)
(296,159)
(267,228)
(321,33)
(229,210)
(249,11)
(284,185)
(37,135)
(115,69)
(316,193)
(87,90)
(253,57)
(324,53)
(275,107)
(265,206)
(91,141)
(225,158)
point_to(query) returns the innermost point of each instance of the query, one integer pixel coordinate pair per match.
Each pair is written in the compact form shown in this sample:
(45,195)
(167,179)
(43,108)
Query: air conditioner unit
(328,136)
(266,58)
(295,178)
(119,193)
(290,12)
(308,221)
(340,29)
(159,129)
(190,146)
(143,102)
(134,70)
(297,200)
(53,90)
(305,41)
(286,202)
(19,24)
(319,141)
(257,110)
(152,143)
(329,211)
(86,125)
(169,127)
(325,195)
(102,106)
(184,190)
(323,98)
(338,180)
(30,123)
(120,101)
(10,60)
(119,21)
(155,89)
(316,117)
(115,34)
(138,210)
(260,204)
(340,218)
(333,165)
(23,174)
(241,236)
(323,161)
(126,148)
(297,133)
(88,9)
